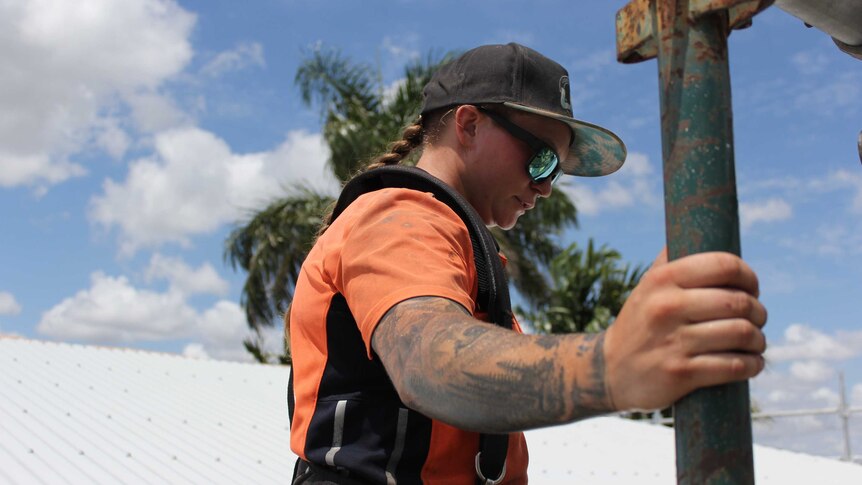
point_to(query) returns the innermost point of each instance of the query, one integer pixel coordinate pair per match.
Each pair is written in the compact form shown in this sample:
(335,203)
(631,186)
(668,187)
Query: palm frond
(270,248)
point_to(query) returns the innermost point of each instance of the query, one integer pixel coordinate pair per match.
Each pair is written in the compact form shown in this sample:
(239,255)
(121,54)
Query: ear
(467,118)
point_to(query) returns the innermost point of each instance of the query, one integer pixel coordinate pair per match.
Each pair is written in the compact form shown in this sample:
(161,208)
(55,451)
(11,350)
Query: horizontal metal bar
(784,414)
(636,40)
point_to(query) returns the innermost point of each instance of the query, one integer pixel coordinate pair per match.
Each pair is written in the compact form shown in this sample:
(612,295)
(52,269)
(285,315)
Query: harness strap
(493,296)
(493,291)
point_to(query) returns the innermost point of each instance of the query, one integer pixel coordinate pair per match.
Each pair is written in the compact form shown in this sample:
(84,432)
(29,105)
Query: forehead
(555,133)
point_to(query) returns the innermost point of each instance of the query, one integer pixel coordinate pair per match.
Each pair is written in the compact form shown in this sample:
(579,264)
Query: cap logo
(565,102)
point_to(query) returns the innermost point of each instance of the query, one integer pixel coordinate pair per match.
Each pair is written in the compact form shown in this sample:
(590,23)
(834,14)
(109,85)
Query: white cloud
(594,61)
(195,351)
(67,66)
(222,329)
(811,370)
(771,210)
(810,62)
(851,180)
(804,342)
(835,94)
(112,139)
(401,49)
(194,184)
(112,310)
(27,169)
(634,184)
(828,396)
(153,112)
(246,54)
(8,304)
(184,279)
(778,396)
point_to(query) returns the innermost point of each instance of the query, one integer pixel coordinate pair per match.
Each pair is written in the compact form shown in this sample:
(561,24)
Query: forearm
(477,376)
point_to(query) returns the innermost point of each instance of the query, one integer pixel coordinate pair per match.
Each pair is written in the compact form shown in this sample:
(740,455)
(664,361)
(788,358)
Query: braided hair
(423,131)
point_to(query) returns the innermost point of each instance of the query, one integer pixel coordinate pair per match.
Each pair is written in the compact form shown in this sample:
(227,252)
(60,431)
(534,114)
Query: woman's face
(498,185)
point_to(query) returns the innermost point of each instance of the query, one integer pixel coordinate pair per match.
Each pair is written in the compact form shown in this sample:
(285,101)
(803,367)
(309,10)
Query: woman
(396,375)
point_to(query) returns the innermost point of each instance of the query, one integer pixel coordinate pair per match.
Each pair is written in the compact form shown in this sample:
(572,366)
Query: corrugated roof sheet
(79,414)
(76,414)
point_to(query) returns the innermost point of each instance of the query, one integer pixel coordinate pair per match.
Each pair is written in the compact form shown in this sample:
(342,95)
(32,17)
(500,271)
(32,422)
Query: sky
(135,134)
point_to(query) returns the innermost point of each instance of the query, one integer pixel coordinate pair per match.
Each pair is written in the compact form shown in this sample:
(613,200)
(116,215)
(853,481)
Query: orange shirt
(386,247)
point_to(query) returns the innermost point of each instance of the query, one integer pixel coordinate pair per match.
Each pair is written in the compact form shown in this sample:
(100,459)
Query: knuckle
(659,276)
(747,335)
(678,369)
(664,307)
(740,304)
(742,367)
(729,265)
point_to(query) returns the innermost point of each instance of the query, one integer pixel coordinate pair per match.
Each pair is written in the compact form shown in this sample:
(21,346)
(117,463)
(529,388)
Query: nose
(545,188)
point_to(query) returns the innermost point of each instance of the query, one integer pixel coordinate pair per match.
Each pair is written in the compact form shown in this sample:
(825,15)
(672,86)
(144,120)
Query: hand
(691,323)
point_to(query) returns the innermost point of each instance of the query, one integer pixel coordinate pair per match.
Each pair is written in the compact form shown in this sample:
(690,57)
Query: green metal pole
(713,425)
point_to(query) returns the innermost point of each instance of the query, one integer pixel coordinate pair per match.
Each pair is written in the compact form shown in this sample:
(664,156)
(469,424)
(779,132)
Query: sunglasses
(544,164)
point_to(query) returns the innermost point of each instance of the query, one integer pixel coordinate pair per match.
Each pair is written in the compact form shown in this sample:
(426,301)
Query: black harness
(493,292)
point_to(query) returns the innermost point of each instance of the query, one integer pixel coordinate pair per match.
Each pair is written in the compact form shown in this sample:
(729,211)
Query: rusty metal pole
(689,38)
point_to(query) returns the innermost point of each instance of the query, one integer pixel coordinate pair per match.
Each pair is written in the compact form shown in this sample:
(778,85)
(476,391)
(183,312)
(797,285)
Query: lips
(526,205)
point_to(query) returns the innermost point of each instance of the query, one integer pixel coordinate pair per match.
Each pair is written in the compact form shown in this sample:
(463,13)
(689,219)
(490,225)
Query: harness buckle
(488,481)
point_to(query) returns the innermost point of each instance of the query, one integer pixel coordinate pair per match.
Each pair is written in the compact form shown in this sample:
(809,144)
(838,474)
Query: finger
(722,368)
(704,304)
(661,259)
(715,269)
(732,335)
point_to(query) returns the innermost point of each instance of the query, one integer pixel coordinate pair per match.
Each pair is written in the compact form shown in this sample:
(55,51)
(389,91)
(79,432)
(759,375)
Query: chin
(508,224)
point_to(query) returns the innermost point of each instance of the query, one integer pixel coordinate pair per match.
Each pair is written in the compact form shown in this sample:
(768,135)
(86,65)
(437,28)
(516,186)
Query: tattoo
(470,335)
(547,342)
(586,344)
(477,376)
(593,394)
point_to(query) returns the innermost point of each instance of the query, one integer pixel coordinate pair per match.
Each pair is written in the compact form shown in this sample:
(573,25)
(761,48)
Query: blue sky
(134,134)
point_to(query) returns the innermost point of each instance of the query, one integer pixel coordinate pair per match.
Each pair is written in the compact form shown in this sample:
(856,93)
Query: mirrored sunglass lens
(543,164)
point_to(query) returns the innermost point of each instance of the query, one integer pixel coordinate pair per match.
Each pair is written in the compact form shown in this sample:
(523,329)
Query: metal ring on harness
(488,481)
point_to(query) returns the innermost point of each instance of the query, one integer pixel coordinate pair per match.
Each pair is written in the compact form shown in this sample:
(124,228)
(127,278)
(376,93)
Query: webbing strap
(493,296)
(493,293)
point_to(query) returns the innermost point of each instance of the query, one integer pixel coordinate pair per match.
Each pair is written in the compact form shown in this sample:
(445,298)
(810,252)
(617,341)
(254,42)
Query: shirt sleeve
(404,244)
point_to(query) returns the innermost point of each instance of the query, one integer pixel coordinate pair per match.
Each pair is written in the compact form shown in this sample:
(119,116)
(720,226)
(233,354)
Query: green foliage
(271,247)
(588,289)
(360,115)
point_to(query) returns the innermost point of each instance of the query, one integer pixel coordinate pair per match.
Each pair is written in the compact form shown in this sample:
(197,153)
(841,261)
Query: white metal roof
(76,414)
(79,414)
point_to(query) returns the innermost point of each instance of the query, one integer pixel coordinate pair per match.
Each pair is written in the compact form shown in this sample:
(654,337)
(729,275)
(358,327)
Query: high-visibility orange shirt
(386,247)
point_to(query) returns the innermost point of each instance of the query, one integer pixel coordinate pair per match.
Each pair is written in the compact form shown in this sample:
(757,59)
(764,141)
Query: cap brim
(595,151)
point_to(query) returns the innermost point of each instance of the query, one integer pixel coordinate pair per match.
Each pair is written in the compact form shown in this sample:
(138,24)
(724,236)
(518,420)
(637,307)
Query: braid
(411,138)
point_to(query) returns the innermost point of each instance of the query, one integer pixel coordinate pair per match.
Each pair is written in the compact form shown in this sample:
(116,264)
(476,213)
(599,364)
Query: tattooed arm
(478,376)
(690,323)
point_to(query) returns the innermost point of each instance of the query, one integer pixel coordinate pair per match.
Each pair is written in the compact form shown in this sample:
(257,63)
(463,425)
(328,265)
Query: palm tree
(270,247)
(588,289)
(361,116)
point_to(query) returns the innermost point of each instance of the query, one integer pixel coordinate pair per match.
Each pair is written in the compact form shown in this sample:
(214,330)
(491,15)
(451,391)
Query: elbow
(409,390)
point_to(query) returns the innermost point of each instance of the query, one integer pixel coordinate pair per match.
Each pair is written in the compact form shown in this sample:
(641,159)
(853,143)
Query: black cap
(521,78)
